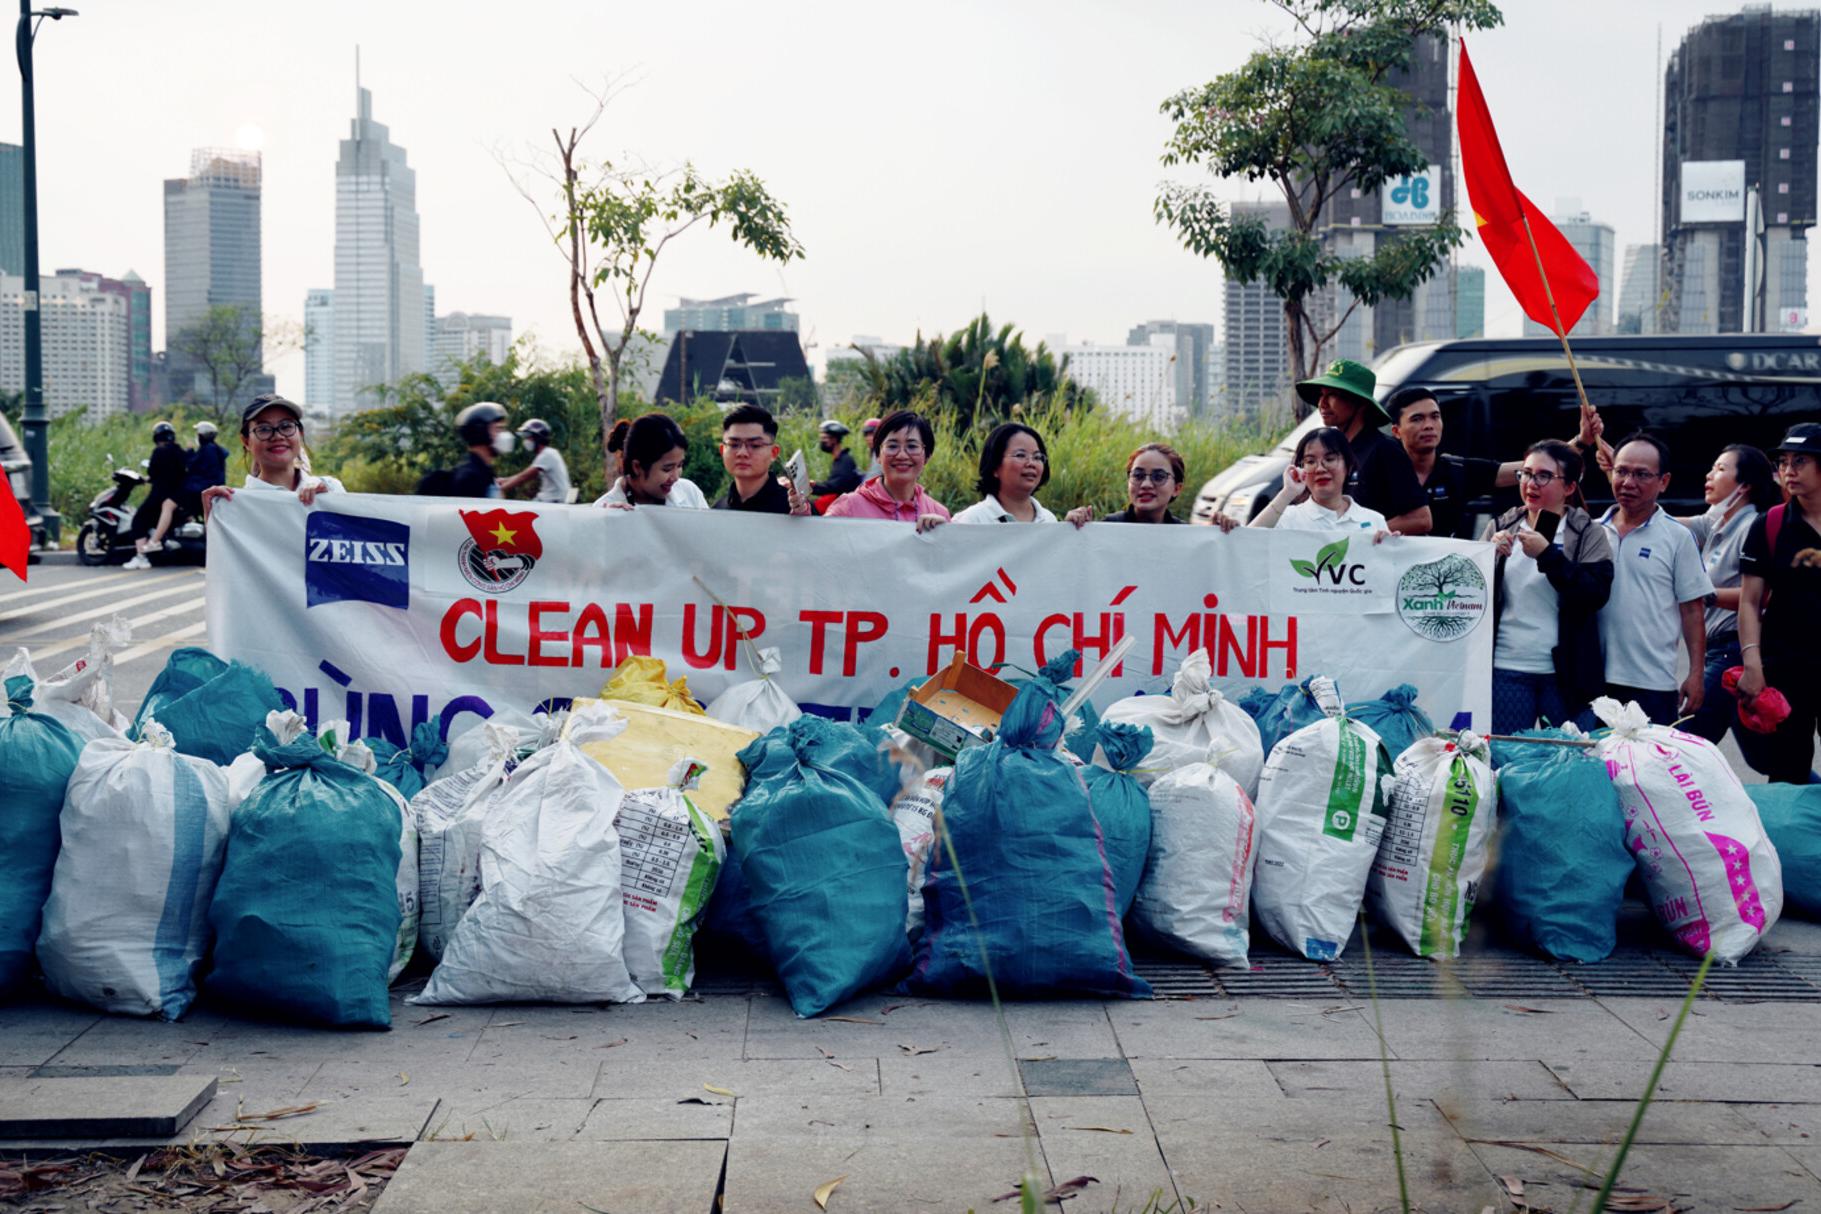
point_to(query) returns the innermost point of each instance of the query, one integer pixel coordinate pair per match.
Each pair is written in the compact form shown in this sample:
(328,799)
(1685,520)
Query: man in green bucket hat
(1382,476)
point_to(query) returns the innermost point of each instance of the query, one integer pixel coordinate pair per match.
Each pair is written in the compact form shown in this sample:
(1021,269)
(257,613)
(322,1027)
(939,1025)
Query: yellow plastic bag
(641,680)
(642,755)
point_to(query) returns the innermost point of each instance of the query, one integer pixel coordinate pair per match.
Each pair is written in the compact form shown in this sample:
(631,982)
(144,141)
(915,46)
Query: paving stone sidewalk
(1248,1102)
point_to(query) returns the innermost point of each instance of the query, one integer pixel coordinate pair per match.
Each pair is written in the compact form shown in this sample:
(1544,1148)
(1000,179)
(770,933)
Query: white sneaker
(138,562)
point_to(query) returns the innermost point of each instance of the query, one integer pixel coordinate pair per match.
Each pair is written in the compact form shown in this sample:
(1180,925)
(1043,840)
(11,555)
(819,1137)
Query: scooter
(107,536)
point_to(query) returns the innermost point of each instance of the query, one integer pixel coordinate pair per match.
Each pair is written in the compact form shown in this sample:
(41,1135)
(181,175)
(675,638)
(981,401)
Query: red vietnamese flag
(510,531)
(1499,210)
(15,536)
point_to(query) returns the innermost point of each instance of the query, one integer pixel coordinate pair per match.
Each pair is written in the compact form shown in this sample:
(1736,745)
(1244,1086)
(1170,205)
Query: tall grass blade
(1384,1063)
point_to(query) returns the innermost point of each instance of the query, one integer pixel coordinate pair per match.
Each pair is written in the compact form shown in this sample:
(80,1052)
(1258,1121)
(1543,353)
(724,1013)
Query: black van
(1697,393)
(16,466)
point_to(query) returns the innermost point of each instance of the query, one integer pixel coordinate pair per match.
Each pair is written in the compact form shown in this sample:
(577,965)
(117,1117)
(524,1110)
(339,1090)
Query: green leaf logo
(1303,567)
(1332,555)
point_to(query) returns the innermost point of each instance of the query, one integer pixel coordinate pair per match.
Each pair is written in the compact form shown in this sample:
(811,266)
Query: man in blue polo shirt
(1659,588)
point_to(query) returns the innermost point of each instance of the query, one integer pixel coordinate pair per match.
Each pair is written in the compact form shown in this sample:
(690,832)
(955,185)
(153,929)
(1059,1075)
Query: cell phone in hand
(1546,523)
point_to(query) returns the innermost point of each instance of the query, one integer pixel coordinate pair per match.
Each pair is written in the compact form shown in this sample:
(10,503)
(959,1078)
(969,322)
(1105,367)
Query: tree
(976,372)
(228,344)
(1316,118)
(613,224)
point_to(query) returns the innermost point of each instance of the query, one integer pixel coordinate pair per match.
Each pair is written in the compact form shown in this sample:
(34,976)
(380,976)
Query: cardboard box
(655,738)
(958,708)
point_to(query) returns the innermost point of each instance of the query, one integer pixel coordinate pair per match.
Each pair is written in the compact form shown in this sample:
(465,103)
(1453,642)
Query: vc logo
(1411,192)
(1327,566)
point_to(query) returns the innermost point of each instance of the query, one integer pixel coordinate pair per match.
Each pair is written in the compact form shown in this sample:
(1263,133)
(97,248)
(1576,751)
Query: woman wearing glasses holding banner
(1321,467)
(903,444)
(1154,476)
(272,435)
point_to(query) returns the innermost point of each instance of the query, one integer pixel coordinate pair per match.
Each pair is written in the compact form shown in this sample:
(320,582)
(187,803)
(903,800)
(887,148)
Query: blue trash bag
(1034,860)
(404,769)
(1791,814)
(1052,680)
(212,708)
(37,755)
(730,918)
(306,913)
(1121,805)
(1561,862)
(1256,701)
(825,871)
(1293,707)
(1395,717)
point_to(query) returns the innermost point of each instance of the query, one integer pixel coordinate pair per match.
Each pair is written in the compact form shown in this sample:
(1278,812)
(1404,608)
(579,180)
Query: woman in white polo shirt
(272,435)
(1320,468)
(1014,464)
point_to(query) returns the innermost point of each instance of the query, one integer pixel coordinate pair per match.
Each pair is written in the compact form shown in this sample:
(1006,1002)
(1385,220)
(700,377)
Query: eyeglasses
(1635,474)
(754,445)
(269,430)
(1021,456)
(1792,463)
(1332,459)
(895,448)
(1156,476)
(1542,480)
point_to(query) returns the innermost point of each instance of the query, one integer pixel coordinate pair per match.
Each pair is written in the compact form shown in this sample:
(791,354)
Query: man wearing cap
(843,475)
(1779,602)
(546,469)
(1382,476)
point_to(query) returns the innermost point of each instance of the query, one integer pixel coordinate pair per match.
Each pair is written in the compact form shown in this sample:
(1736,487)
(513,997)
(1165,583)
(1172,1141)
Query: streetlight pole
(37,437)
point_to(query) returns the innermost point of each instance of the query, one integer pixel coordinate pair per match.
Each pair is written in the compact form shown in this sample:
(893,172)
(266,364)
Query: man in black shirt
(1781,563)
(843,474)
(749,447)
(1452,481)
(1382,477)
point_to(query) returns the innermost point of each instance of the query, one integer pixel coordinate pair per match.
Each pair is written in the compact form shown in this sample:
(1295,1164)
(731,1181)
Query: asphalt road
(51,615)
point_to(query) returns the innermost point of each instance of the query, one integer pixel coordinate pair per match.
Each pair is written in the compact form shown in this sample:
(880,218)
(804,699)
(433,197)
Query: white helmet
(206,429)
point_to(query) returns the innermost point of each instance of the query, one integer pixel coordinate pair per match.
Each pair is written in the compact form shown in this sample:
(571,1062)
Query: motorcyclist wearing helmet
(843,474)
(482,427)
(546,469)
(167,472)
(208,462)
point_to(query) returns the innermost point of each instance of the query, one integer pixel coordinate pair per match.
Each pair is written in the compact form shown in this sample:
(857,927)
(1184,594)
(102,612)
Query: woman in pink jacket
(902,444)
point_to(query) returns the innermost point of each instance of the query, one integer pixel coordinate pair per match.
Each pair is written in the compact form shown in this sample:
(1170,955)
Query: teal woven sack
(823,866)
(1293,707)
(1121,804)
(1395,718)
(1791,814)
(212,708)
(404,769)
(1035,865)
(37,755)
(306,913)
(1052,680)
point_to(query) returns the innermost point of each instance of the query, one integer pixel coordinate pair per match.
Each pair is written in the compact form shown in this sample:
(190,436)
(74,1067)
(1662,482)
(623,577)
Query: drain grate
(1275,975)
(1177,979)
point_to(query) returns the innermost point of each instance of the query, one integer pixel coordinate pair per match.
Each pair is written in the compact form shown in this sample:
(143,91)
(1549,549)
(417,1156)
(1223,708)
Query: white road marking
(170,580)
(184,608)
(171,586)
(13,596)
(161,643)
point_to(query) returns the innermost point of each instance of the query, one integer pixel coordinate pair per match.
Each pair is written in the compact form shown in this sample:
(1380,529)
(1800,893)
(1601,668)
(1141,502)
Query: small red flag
(15,536)
(1499,210)
(509,531)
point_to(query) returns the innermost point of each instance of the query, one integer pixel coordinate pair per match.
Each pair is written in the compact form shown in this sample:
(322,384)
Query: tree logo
(1443,600)
(1328,566)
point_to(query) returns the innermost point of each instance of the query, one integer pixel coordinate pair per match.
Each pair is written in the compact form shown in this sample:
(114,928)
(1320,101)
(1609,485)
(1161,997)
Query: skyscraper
(1191,342)
(1741,110)
(1257,339)
(1594,242)
(379,284)
(1469,301)
(319,347)
(1136,381)
(88,342)
(12,209)
(211,254)
(1638,291)
(430,328)
(462,335)
(731,312)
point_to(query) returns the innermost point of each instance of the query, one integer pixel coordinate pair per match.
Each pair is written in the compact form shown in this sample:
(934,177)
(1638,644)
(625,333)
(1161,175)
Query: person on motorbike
(208,462)
(167,474)
(272,435)
(482,428)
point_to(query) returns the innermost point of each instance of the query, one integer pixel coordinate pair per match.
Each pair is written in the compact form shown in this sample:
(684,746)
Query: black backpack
(437,483)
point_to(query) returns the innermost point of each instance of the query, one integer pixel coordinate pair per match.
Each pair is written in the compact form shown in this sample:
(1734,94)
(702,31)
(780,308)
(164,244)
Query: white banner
(386,610)
(1713,191)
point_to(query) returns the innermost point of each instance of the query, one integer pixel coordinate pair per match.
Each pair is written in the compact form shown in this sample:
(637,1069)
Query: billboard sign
(1411,200)
(1713,191)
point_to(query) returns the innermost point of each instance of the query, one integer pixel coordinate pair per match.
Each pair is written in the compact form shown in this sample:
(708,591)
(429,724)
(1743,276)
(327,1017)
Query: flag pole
(1560,331)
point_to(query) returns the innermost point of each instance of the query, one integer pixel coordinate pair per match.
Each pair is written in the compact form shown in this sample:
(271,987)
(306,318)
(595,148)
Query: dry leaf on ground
(709,1087)
(822,1194)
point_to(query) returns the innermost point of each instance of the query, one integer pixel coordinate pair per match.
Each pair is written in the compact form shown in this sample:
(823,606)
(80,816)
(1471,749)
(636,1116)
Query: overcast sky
(936,159)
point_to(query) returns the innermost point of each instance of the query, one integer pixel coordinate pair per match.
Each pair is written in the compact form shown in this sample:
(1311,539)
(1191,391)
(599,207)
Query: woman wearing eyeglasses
(1553,575)
(272,435)
(1321,467)
(902,444)
(1014,464)
(1154,476)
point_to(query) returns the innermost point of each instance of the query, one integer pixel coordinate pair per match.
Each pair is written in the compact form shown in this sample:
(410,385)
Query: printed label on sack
(1342,818)
(1737,858)
(1441,898)
(652,850)
(1237,885)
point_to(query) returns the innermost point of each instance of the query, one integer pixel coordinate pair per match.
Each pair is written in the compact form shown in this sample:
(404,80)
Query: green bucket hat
(1346,376)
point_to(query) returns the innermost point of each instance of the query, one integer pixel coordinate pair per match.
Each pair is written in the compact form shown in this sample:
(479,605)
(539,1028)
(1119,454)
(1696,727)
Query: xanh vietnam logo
(1328,566)
(1442,600)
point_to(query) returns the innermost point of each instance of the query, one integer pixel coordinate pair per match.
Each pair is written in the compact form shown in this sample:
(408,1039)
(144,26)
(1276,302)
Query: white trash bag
(670,857)
(359,756)
(1195,723)
(81,695)
(449,812)
(759,704)
(1196,892)
(469,743)
(1438,841)
(549,925)
(144,833)
(914,810)
(1322,810)
(1715,881)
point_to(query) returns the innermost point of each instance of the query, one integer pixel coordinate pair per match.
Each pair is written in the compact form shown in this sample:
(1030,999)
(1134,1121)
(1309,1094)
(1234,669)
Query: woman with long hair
(650,450)
(272,437)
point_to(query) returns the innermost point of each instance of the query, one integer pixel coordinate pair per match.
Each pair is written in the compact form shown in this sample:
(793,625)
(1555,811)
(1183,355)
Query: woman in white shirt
(272,435)
(651,450)
(1321,467)
(1014,464)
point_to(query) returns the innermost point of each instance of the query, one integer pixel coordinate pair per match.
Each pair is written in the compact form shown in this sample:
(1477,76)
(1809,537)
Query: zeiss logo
(350,559)
(1644,554)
